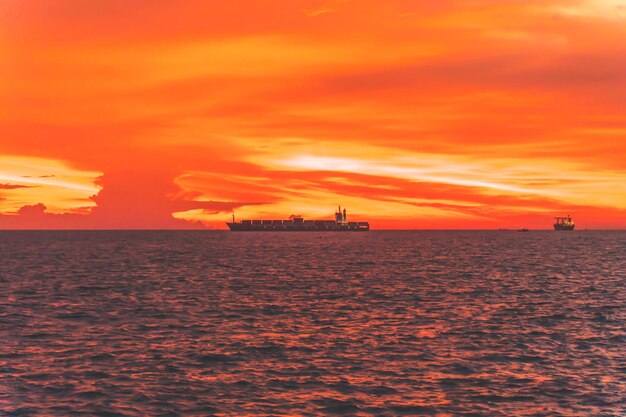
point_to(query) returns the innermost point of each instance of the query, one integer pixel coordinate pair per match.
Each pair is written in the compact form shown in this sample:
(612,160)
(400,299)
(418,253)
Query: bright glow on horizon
(37,180)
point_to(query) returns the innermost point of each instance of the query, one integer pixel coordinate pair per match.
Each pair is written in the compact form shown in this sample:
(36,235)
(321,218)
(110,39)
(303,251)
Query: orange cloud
(448,114)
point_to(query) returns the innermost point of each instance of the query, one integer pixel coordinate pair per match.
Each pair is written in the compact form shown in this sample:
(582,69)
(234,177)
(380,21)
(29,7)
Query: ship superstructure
(299,224)
(564,223)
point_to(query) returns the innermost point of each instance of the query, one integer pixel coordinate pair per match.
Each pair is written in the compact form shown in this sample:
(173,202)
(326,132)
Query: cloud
(34,179)
(13,186)
(159,114)
(35,216)
(32,211)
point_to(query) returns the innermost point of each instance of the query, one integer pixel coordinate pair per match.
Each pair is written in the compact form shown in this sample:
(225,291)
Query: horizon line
(298,231)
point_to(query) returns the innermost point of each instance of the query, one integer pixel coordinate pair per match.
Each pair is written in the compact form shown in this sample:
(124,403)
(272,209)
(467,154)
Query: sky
(163,114)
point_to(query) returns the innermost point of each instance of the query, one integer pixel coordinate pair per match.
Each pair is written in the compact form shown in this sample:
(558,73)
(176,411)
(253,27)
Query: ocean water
(379,323)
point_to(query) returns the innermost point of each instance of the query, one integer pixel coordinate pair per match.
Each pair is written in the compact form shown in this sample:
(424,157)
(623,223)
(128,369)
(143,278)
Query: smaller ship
(564,223)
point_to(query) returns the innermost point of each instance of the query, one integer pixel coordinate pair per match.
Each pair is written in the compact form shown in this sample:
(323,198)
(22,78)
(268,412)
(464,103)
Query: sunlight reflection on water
(379,323)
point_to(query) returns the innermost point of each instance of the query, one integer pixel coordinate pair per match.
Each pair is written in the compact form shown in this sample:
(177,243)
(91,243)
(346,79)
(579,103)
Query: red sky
(446,114)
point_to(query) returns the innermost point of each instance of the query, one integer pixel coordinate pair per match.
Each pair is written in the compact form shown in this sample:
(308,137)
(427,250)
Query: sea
(384,323)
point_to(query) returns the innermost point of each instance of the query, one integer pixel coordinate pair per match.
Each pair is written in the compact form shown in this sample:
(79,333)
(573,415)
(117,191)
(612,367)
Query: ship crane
(341,217)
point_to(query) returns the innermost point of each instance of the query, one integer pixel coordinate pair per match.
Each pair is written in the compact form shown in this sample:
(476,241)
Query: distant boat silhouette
(564,223)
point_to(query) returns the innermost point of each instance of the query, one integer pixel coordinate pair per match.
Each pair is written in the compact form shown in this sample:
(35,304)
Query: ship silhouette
(299,224)
(564,223)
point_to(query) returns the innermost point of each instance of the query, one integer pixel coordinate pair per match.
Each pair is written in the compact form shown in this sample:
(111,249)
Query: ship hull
(239,227)
(560,227)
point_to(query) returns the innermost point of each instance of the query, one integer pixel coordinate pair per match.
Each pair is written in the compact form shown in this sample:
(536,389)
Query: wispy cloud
(12,186)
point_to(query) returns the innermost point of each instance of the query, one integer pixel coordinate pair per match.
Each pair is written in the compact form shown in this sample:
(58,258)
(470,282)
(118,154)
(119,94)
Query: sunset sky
(412,114)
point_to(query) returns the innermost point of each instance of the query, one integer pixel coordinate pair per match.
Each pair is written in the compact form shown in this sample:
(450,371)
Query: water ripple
(380,323)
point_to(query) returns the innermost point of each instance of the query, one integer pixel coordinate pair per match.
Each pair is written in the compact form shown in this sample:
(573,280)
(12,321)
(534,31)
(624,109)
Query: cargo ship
(299,224)
(564,223)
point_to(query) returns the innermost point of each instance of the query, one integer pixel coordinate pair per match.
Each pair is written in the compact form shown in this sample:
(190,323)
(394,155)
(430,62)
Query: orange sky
(446,114)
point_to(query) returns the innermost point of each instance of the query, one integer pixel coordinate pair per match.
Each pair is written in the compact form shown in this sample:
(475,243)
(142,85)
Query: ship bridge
(341,217)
